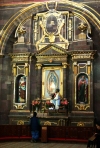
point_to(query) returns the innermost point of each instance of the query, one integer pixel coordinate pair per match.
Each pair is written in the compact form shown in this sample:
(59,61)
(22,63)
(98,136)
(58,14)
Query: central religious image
(51,80)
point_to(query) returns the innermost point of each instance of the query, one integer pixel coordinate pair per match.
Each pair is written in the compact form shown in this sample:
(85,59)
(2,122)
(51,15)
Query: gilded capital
(38,66)
(65,65)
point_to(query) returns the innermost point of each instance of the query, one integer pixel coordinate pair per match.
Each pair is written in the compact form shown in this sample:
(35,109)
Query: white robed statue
(56,100)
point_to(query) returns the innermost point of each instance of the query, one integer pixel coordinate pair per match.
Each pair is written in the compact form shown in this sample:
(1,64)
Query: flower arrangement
(49,104)
(64,102)
(36,104)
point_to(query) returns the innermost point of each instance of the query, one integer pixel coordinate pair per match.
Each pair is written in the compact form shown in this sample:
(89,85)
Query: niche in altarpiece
(82,88)
(20,89)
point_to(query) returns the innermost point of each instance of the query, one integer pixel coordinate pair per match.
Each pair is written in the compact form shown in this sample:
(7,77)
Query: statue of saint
(56,99)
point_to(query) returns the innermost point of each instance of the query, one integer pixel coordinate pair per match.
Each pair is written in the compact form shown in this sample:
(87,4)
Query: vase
(36,109)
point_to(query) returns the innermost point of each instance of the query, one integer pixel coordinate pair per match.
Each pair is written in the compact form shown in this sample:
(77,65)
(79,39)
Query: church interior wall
(6,76)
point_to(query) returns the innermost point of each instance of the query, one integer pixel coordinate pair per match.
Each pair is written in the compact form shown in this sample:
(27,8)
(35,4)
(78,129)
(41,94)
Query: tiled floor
(40,145)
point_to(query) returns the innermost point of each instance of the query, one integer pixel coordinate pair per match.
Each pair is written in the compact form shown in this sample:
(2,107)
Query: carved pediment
(51,53)
(51,50)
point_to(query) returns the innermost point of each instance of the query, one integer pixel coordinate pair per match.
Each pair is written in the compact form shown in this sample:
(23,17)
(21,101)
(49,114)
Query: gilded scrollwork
(47,123)
(82,107)
(80,124)
(51,25)
(20,122)
(19,106)
(64,64)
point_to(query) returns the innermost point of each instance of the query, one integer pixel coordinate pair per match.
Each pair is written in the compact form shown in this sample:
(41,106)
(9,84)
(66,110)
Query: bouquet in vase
(49,104)
(36,104)
(64,102)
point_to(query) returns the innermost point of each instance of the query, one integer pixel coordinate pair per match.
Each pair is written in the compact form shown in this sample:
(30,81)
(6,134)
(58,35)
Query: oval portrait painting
(51,24)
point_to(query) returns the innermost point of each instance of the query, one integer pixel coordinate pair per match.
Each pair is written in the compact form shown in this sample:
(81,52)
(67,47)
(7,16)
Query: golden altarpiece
(60,56)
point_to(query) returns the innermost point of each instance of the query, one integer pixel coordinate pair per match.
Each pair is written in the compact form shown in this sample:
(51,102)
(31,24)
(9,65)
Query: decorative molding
(19,57)
(80,124)
(47,123)
(20,122)
(82,106)
(81,55)
(50,59)
(19,106)
(49,19)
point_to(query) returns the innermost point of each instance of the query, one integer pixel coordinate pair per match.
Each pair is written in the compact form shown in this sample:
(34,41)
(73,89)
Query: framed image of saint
(52,79)
(82,88)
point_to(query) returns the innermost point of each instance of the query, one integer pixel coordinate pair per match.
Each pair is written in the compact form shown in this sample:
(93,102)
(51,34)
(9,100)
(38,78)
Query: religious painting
(82,88)
(21,89)
(51,80)
(51,24)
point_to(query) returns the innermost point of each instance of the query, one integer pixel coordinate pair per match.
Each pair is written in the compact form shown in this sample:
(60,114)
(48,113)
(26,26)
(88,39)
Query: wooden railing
(54,133)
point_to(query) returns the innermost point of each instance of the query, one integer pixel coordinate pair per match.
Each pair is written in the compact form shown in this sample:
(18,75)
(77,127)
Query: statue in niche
(52,82)
(82,88)
(22,89)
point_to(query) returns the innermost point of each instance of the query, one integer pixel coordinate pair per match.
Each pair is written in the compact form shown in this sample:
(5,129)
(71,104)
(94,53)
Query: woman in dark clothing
(97,134)
(95,139)
(35,127)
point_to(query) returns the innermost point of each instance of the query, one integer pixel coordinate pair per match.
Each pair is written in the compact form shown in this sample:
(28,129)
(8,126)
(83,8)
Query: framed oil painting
(82,88)
(82,91)
(52,78)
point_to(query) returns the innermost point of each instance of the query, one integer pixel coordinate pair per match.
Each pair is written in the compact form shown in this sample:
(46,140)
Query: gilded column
(64,79)
(26,69)
(39,80)
(14,69)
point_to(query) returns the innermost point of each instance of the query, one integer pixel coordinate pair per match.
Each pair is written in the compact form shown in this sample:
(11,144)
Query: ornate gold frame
(83,106)
(44,69)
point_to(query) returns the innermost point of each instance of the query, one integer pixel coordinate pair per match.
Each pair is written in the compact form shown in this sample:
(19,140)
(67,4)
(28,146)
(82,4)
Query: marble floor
(28,144)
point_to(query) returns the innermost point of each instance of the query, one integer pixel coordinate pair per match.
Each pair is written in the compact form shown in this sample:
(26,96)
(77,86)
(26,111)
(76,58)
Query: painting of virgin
(52,78)
(52,82)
